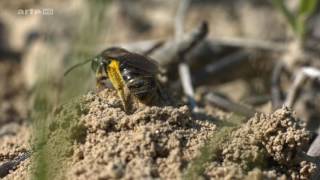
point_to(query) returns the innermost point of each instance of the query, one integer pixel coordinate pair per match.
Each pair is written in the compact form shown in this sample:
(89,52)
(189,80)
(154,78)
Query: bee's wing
(139,62)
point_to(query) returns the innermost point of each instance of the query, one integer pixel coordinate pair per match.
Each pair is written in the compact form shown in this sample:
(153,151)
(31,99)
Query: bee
(131,74)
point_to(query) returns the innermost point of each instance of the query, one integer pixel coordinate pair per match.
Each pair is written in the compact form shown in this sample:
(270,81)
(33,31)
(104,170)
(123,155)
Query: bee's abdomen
(140,84)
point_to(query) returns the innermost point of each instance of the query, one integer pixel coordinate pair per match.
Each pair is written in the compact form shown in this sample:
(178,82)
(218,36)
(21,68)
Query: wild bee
(130,74)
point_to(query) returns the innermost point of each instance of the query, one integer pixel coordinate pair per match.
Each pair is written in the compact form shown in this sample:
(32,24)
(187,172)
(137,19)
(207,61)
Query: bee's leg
(163,95)
(124,99)
(101,79)
(118,83)
(101,83)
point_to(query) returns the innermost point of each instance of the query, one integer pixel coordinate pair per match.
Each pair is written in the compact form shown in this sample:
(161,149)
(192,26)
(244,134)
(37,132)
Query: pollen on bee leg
(118,83)
(123,99)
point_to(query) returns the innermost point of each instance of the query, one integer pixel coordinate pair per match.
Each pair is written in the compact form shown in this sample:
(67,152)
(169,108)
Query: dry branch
(168,53)
(229,105)
(6,167)
(314,149)
(304,74)
(185,77)
(219,66)
(249,43)
(275,86)
(183,68)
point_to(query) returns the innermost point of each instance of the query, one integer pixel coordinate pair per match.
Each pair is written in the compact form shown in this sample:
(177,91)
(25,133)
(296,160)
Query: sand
(93,138)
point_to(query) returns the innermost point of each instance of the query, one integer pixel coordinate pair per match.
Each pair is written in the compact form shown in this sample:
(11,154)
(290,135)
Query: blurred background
(220,57)
(40,39)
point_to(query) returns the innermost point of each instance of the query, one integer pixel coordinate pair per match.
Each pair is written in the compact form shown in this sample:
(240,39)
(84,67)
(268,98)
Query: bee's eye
(94,64)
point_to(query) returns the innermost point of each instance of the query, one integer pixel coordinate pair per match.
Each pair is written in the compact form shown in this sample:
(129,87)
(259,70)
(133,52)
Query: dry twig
(229,105)
(314,149)
(212,42)
(153,48)
(184,69)
(275,86)
(169,52)
(249,43)
(300,79)
(6,167)
(185,77)
(220,66)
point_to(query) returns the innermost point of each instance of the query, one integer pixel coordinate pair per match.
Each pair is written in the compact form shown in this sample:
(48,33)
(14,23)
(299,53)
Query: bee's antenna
(75,66)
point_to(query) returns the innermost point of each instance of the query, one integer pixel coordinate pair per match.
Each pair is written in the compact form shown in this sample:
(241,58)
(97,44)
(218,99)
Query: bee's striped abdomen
(139,83)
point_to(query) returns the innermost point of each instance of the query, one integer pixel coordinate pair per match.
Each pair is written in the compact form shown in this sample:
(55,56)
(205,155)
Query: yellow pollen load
(115,75)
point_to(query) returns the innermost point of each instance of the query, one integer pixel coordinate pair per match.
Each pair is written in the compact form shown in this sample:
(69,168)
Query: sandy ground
(266,147)
(93,138)
(154,142)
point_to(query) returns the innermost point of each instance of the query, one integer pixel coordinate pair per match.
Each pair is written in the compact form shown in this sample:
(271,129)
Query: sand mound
(94,139)
(152,142)
(266,147)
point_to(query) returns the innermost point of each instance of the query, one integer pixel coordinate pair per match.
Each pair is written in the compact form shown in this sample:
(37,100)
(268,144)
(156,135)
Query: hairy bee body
(143,86)
(131,74)
(128,70)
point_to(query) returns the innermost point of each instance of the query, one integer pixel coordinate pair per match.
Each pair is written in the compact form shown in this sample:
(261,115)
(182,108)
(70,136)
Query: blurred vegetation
(212,149)
(48,96)
(87,35)
(297,20)
(209,153)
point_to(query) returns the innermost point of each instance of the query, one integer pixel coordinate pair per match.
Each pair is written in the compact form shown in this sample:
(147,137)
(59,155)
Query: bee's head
(99,62)
(104,59)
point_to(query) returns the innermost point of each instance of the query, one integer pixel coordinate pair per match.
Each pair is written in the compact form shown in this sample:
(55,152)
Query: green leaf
(288,15)
(307,7)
